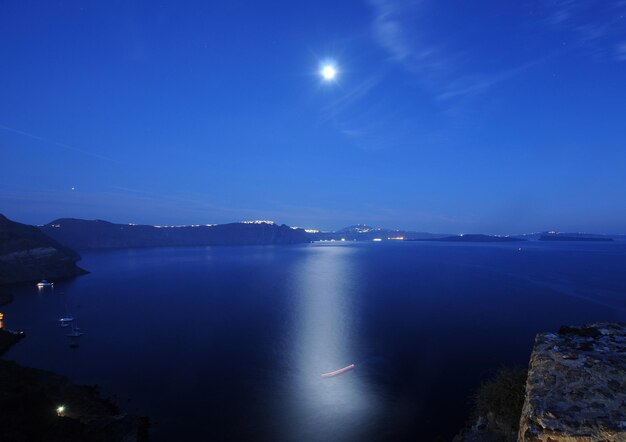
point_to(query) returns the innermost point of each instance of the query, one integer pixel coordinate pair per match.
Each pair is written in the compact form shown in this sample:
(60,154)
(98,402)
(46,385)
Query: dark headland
(28,254)
(30,399)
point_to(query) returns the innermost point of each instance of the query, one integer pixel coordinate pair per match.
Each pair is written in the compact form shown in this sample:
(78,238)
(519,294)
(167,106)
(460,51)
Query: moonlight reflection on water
(324,341)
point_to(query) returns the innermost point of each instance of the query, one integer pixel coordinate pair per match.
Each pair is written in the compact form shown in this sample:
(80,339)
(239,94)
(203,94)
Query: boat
(44,283)
(75,332)
(66,320)
(338,372)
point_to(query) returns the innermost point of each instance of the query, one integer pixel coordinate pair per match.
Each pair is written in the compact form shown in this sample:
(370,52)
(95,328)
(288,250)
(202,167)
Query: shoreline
(40,405)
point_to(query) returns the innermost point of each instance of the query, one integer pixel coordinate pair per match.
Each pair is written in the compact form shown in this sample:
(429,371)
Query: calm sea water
(228,343)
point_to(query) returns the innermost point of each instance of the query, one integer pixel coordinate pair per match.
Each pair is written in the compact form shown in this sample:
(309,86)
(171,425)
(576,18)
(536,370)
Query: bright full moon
(329,72)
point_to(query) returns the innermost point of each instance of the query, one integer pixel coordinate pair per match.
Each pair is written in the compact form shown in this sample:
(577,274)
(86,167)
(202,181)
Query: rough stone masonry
(576,388)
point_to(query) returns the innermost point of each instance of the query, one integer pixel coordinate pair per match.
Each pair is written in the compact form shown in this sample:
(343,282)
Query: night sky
(444,116)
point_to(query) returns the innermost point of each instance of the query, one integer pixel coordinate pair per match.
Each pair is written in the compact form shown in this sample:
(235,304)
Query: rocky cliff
(576,387)
(27,254)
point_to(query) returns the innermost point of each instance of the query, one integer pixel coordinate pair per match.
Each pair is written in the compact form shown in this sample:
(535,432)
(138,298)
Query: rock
(576,387)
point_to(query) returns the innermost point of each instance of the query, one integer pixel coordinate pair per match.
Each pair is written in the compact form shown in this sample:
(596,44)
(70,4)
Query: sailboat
(75,331)
(67,319)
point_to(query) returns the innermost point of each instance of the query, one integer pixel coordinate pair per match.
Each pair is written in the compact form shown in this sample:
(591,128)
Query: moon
(329,72)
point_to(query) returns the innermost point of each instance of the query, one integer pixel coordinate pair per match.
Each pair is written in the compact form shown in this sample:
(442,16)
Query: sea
(229,343)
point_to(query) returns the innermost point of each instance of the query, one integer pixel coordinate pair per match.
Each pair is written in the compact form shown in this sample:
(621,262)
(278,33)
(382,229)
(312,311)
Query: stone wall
(576,387)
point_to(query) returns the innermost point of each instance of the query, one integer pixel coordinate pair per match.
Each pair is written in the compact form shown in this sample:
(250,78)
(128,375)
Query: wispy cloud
(396,29)
(592,25)
(454,72)
(353,94)
(388,29)
(402,29)
(473,85)
(620,52)
(63,146)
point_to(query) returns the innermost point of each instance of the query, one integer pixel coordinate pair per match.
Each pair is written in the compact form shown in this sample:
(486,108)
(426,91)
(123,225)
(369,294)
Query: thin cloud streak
(467,86)
(590,34)
(396,28)
(354,94)
(620,53)
(57,143)
(434,67)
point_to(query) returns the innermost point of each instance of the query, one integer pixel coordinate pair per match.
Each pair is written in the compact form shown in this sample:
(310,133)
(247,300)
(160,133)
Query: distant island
(82,234)
(573,237)
(474,238)
(363,232)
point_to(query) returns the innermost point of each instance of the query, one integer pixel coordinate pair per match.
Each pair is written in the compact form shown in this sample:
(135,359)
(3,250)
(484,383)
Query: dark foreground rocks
(30,401)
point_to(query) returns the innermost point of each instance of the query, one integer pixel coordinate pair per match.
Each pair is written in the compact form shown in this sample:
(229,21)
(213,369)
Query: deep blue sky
(455,116)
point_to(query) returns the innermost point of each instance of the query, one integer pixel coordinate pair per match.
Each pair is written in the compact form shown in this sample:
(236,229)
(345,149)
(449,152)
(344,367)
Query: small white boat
(75,332)
(66,320)
(44,283)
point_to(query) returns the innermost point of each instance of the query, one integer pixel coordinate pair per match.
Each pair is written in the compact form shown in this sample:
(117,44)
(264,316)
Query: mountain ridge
(80,234)
(98,234)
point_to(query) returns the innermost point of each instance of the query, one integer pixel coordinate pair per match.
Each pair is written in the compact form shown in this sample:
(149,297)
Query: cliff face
(576,387)
(27,254)
(83,234)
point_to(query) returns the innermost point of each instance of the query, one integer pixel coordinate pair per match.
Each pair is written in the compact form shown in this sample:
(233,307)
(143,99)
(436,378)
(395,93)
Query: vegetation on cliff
(497,406)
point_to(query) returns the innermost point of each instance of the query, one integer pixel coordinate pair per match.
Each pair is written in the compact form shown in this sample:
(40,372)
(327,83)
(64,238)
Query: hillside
(27,254)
